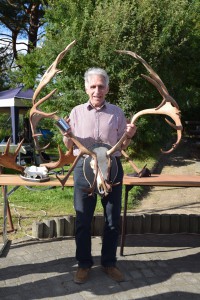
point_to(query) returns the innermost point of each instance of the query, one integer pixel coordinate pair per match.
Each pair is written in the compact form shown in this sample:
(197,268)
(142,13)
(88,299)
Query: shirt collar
(90,106)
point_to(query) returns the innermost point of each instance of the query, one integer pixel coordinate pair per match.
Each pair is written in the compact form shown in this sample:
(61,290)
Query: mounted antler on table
(167,107)
(8,160)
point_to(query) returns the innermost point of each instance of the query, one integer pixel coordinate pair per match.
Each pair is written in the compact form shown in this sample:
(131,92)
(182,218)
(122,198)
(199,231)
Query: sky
(4,30)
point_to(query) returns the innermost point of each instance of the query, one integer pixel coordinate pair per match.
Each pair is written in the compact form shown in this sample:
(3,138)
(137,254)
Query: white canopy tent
(15,102)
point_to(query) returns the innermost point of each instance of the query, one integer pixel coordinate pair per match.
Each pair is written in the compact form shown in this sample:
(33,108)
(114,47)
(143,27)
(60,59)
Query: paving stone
(155,267)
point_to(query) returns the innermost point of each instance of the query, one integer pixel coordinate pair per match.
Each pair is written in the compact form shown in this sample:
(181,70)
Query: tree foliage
(165,33)
(19,19)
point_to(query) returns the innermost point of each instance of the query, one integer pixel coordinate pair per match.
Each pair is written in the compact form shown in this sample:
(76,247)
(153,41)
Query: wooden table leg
(9,216)
(5,240)
(127,189)
(10,221)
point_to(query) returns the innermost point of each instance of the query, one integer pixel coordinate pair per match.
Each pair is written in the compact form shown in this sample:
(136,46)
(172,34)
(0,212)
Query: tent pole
(15,123)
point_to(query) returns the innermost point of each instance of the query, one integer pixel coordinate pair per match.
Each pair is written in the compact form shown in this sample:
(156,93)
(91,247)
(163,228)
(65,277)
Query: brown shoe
(81,275)
(114,273)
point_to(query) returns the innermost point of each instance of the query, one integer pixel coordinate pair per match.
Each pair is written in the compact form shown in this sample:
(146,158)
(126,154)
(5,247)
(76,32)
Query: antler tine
(7,146)
(63,180)
(83,151)
(130,161)
(51,71)
(146,65)
(64,159)
(16,150)
(43,100)
(6,152)
(8,160)
(155,80)
(165,108)
(18,147)
(179,129)
(35,114)
(166,96)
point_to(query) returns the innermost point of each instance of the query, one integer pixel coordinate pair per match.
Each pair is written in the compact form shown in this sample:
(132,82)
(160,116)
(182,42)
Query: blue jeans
(85,207)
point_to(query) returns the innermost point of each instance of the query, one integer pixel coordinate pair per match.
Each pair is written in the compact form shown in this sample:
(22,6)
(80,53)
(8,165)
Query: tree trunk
(33,29)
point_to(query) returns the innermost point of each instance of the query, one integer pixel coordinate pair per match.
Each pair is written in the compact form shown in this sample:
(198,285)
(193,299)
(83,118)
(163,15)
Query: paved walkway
(155,266)
(185,160)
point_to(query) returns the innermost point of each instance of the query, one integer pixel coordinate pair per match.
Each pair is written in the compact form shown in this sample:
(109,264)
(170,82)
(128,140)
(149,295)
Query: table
(15,180)
(128,182)
(12,148)
(154,180)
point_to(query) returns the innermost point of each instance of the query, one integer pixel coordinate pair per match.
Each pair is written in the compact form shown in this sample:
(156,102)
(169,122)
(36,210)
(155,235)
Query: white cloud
(6,41)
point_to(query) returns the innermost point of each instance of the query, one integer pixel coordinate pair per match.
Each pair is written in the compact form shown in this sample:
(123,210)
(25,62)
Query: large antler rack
(36,115)
(167,107)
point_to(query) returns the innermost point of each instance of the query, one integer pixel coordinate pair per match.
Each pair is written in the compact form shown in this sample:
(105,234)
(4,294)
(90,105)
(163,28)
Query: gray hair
(96,71)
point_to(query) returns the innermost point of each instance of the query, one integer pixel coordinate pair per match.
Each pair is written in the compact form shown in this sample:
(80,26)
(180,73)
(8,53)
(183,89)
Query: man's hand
(66,136)
(130,130)
(67,120)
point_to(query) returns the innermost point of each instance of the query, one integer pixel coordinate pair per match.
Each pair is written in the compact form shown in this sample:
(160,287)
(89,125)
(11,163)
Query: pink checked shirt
(90,125)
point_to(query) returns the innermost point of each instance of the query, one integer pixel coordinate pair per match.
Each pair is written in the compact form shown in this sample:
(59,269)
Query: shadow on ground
(151,264)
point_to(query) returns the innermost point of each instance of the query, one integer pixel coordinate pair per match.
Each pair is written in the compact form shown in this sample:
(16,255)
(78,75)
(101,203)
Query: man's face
(96,90)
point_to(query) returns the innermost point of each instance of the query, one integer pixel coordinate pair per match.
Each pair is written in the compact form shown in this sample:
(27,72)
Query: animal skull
(34,172)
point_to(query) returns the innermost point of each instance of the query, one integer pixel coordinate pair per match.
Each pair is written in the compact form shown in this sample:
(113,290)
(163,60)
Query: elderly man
(97,121)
